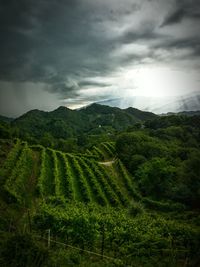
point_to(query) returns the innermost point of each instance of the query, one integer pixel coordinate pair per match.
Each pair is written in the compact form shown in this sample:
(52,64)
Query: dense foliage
(165,162)
(66,129)
(102,197)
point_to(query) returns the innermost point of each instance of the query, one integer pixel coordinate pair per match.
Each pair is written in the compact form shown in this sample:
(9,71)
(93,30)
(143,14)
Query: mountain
(184,113)
(5,119)
(61,123)
(158,105)
(115,117)
(141,115)
(64,122)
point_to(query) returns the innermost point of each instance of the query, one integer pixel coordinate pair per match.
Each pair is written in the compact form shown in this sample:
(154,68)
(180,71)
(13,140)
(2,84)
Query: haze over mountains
(158,105)
(155,104)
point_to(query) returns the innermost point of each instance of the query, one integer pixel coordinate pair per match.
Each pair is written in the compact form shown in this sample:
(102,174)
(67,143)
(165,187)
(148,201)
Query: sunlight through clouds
(88,51)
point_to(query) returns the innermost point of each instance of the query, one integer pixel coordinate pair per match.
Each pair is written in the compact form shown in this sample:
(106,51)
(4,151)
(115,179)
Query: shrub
(136,208)
(22,251)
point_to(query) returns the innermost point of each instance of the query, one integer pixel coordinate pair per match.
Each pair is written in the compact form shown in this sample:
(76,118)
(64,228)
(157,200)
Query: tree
(154,177)
(68,145)
(129,145)
(136,161)
(4,131)
(47,140)
(187,188)
(82,140)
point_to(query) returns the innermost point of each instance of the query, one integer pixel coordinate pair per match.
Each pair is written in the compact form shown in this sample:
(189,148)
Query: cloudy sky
(74,52)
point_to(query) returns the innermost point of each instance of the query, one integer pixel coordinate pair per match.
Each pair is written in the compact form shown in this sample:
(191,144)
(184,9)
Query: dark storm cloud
(57,42)
(54,41)
(175,17)
(44,41)
(183,9)
(149,34)
(130,37)
(65,89)
(193,45)
(15,45)
(71,45)
(92,84)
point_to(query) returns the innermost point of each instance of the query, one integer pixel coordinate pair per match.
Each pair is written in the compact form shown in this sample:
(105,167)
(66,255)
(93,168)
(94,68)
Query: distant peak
(34,111)
(131,108)
(100,106)
(61,109)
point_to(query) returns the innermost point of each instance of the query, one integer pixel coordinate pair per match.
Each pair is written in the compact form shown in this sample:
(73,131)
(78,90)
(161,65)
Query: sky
(75,52)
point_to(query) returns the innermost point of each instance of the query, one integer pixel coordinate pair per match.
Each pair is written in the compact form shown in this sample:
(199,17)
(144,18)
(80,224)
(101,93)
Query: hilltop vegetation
(125,196)
(64,123)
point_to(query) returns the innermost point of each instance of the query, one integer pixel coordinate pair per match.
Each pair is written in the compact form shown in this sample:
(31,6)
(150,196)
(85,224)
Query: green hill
(65,123)
(5,119)
(132,200)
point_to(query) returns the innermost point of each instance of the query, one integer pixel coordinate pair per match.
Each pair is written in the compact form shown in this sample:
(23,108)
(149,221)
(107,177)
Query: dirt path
(107,163)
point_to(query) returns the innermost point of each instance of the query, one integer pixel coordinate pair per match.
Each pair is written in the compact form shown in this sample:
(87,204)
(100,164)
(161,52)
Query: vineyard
(93,210)
(72,177)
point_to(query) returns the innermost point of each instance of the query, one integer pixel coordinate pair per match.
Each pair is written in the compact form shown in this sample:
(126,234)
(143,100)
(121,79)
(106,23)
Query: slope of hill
(72,177)
(117,201)
(184,113)
(141,115)
(5,119)
(89,207)
(64,123)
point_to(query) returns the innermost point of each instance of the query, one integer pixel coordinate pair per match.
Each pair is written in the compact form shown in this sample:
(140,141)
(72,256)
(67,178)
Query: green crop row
(11,159)
(127,181)
(82,184)
(94,185)
(112,183)
(15,185)
(111,197)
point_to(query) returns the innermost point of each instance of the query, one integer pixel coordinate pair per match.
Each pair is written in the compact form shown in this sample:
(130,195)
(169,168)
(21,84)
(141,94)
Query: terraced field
(72,177)
(90,204)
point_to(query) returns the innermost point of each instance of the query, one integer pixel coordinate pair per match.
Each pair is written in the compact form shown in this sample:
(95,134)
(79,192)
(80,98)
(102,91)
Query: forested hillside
(66,123)
(123,198)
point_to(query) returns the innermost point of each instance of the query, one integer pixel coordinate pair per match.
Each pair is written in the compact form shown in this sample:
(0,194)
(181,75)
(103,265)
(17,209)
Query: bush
(136,208)
(163,206)
(22,251)
(155,177)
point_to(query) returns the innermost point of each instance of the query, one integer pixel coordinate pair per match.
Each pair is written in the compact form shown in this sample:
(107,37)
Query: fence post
(102,240)
(29,221)
(49,237)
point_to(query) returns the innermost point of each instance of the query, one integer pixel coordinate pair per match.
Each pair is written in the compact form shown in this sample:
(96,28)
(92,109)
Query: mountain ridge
(64,122)
(63,110)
